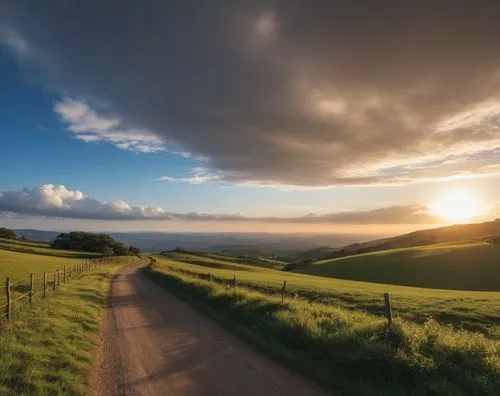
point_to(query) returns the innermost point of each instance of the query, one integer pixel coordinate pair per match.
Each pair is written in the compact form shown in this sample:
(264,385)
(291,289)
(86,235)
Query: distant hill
(466,266)
(476,232)
(316,254)
(37,235)
(283,245)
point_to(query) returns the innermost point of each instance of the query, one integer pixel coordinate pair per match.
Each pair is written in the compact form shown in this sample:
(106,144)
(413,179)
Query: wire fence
(19,293)
(282,291)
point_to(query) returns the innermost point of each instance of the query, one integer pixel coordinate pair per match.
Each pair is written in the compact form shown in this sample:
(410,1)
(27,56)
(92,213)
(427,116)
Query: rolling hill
(476,232)
(466,266)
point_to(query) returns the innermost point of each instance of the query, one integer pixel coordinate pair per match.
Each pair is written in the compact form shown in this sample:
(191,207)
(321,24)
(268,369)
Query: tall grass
(474,311)
(352,351)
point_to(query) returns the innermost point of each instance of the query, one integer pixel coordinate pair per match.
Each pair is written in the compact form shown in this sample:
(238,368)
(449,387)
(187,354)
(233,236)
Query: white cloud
(198,175)
(89,126)
(58,201)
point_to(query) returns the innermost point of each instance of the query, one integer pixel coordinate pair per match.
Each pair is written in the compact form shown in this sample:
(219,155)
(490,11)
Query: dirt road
(154,344)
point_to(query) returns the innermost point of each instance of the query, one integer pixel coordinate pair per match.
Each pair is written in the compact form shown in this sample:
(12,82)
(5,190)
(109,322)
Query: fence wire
(42,283)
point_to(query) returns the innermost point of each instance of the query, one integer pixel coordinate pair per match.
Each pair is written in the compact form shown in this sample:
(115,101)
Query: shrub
(7,233)
(90,242)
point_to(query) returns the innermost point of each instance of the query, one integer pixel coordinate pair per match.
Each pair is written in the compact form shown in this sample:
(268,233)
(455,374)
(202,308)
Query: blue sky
(183,140)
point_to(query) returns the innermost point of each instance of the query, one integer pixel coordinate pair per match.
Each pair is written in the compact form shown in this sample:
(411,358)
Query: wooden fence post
(7,291)
(283,292)
(234,280)
(58,278)
(44,284)
(31,288)
(54,284)
(64,275)
(388,309)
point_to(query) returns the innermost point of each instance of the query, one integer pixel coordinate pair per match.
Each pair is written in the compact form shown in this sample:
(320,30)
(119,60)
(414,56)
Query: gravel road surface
(154,344)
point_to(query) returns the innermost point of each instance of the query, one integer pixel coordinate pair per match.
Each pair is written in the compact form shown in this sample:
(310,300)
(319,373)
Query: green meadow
(474,311)
(47,348)
(472,266)
(41,248)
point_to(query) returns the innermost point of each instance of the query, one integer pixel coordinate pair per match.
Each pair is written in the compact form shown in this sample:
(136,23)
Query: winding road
(154,344)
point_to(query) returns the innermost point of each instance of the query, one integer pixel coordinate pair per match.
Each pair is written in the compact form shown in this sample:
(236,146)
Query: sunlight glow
(458,205)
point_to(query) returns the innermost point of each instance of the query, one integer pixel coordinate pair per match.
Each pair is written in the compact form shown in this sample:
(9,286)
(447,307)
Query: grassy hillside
(474,266)
(224,260)
(20,265)
(256,260)
(334,330)
(41,248)
(475,311)
(459,233)
(47,349)
(314,254)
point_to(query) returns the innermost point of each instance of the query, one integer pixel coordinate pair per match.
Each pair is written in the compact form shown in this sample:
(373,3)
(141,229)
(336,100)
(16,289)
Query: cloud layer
(280,92)
(58,201)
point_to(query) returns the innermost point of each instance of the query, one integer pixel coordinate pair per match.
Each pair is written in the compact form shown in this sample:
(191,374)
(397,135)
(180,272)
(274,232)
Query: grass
(47,350)
(211,261)
(41,248)
(19,265)
(24,243)
(473,266)
(258,261)
(474,311)
(351,350)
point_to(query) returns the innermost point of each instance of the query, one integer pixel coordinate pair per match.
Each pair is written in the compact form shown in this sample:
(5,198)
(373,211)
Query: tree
(133,250)
(6,233)
(107,251)
(90,242)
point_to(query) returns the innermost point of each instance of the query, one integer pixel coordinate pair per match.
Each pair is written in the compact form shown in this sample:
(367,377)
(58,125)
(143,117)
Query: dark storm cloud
(58,201)
(289,92)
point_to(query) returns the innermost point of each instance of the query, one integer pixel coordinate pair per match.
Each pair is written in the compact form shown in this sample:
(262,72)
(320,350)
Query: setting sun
(458,205)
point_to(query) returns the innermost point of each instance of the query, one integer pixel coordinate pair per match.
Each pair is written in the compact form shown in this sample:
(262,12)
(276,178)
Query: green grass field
(24,243)
(19,265)
(459,267)
(335,332)
(475,311)
(247,260)
(43,249)
(47,349)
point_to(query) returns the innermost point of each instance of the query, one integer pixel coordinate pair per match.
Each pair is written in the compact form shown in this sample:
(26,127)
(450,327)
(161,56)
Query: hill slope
(456,233)
(473,266)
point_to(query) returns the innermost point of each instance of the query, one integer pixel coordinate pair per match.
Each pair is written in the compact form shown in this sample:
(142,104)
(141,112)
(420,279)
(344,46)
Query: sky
(278,116)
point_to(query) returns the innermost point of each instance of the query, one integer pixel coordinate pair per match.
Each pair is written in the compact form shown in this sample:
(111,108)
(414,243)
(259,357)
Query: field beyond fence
(20,292)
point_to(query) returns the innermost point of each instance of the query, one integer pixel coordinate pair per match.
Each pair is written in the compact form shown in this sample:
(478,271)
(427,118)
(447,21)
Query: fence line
(37,284)
(274,291)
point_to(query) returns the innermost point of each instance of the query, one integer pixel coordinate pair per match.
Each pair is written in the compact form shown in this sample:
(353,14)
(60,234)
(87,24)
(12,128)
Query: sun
(458,205)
